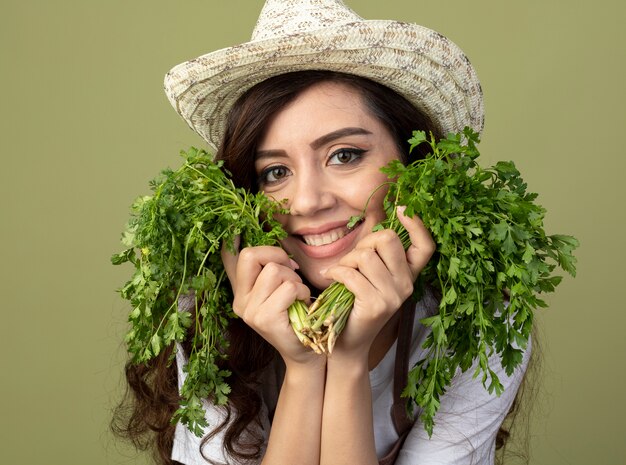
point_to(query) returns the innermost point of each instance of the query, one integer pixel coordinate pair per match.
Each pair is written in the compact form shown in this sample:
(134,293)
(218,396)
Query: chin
(317,283)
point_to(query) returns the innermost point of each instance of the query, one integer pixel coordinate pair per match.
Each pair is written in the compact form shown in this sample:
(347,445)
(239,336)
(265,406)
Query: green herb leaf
(490,242)
(174,238)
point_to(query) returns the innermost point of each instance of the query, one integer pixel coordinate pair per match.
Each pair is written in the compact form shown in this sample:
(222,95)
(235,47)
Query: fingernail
(401,209)
(323,271)
(294,265)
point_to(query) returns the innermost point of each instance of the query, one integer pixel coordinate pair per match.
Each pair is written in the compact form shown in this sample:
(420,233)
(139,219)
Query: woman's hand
(380,273)
(265,284)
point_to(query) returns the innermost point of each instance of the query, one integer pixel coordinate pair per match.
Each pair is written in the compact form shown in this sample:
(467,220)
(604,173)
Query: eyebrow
(339,133)
(319,142)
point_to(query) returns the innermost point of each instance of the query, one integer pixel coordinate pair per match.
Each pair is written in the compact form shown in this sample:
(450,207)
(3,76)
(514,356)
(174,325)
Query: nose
(311,194)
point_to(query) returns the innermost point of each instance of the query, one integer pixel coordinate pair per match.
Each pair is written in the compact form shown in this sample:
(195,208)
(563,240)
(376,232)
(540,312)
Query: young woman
(302,129)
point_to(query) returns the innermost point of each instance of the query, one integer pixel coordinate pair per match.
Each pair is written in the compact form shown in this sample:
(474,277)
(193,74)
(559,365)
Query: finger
(271,306)
(355,282)
(389,248)
(369,263)
(269,318)
(422,244)
(286,294)
(253,259)
(271,277)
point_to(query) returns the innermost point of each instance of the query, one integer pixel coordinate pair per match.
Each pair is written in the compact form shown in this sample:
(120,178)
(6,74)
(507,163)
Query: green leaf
(450,296)
(436,325)
(511,358)
(499,231)
(204,281)
(453,269)
(508,246)
(122,257)
(529,253)
(155,343)
(417,139)
(354,220)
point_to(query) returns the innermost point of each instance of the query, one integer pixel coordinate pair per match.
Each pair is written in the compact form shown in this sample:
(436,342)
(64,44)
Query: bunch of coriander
(173,239)
(493,259)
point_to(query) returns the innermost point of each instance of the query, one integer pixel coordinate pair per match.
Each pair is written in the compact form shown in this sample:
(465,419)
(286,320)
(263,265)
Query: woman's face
(323,153)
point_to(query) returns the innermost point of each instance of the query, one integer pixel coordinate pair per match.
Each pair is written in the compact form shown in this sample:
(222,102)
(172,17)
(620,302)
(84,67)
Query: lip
(328,250)
(320,229)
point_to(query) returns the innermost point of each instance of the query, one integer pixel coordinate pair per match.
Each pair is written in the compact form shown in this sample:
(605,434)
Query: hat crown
(283,17)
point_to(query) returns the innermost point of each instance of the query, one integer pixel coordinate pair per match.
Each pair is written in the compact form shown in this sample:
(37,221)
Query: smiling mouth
(325,238)
(328,237)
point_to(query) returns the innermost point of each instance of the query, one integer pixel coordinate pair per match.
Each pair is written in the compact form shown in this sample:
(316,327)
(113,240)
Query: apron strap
(399,415)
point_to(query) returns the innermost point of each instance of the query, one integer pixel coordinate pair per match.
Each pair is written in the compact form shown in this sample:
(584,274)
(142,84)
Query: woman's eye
(273,174)
(345,156)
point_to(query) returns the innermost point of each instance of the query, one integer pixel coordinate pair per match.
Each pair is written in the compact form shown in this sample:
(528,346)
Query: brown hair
(152,397)
(250,115)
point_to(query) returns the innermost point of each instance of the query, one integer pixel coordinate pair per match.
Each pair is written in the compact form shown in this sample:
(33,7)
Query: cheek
(375,205)
(282,219)
(359,191)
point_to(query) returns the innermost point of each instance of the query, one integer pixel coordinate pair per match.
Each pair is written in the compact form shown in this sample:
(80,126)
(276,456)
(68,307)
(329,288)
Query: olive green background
(85,125)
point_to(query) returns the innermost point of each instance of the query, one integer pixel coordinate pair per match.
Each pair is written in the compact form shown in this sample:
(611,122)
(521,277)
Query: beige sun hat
(292,35)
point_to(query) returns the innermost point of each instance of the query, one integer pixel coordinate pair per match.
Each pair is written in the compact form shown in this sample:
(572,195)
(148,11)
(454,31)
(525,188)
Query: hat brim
(420,64)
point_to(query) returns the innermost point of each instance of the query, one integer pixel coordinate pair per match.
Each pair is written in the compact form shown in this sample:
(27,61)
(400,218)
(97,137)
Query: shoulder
(469,417)
(190,449)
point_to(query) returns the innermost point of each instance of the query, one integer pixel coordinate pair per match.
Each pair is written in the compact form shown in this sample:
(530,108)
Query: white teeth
(326,238)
